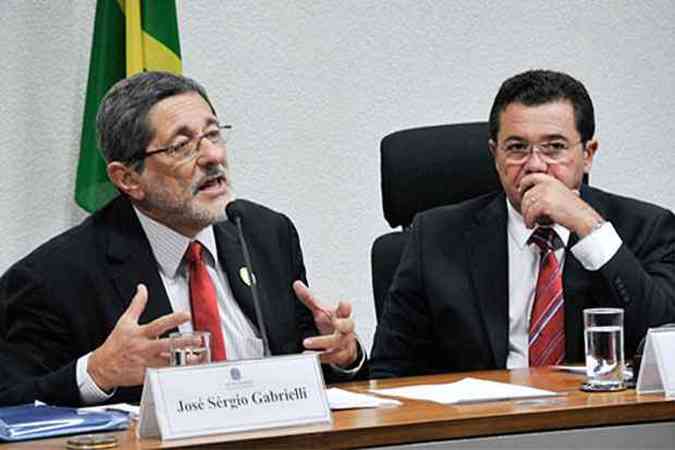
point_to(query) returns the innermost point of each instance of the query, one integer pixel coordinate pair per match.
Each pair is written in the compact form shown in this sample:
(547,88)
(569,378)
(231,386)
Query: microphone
(234,214)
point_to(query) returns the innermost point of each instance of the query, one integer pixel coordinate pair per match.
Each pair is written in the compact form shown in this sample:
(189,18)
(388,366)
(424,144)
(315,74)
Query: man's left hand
(337,341)
(545,200)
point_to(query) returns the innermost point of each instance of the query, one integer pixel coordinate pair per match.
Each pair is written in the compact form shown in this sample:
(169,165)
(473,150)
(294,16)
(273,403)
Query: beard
(184,209)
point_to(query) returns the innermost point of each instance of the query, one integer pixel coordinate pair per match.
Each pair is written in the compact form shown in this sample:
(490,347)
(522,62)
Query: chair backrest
(426,167)
(422,168)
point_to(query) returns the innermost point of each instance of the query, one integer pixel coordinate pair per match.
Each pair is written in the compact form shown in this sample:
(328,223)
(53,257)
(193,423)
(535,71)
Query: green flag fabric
(130,36)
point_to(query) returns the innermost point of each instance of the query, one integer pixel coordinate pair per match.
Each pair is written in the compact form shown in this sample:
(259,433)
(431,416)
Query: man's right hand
(546,200)
(131,348)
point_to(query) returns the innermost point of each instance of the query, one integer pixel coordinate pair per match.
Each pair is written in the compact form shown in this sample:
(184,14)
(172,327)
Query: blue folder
(18,423)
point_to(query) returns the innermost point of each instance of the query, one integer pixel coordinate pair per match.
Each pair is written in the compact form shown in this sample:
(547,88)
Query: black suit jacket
(64,299)
(448,306)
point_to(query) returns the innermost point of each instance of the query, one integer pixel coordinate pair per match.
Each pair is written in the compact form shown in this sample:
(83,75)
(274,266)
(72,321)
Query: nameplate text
(281,391)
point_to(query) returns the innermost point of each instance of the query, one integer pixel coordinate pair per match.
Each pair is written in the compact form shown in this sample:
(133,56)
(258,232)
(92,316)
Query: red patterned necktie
(547,322)
(203,301)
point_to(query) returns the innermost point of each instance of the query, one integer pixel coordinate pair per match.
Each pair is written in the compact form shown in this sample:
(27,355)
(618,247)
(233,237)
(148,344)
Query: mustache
(212,172)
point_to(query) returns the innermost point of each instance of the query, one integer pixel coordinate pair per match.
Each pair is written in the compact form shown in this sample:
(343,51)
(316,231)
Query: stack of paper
(465,391)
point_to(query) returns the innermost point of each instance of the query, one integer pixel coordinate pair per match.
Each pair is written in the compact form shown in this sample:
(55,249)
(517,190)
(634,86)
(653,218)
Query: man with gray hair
(86,313)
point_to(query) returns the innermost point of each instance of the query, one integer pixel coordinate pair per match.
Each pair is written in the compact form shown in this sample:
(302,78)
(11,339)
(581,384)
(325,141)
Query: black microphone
(234,214)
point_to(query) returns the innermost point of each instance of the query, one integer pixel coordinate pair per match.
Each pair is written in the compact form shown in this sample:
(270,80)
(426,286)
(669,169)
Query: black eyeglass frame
(176,147)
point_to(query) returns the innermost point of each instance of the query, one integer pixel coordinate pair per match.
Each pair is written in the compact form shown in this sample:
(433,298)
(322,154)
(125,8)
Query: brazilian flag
(130,36)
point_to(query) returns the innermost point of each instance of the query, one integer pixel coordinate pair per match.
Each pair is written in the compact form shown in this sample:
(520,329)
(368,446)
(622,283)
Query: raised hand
(337,341)
(131,348)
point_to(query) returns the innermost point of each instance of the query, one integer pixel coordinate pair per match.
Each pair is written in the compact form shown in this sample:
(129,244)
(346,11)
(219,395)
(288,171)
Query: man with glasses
(500,281)
(86,313)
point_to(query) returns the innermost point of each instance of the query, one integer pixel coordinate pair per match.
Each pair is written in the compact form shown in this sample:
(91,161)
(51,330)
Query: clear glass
(603,338)
(190,349)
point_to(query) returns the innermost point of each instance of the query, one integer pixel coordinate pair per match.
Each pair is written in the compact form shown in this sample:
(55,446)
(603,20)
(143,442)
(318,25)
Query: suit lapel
(488,257)
(231,259)
(132,262)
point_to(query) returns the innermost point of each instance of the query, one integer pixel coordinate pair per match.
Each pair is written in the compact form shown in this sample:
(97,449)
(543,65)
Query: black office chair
(423,168)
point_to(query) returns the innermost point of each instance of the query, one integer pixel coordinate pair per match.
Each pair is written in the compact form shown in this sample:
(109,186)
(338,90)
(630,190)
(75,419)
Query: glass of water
(603,338)
(190,348)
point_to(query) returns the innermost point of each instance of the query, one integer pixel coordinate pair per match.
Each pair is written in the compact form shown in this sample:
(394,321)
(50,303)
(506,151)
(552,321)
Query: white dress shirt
(169,247)
(593,252)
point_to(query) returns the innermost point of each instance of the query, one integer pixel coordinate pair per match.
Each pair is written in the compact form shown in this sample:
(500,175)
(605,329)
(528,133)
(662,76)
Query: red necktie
(203,301)
(547,322)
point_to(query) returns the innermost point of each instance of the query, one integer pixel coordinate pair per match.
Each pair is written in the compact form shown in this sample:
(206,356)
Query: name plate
(657,369)
(189,401)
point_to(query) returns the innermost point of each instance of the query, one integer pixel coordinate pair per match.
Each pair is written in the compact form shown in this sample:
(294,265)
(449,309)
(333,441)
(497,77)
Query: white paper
(465,391)
(573,369)
(627,372)
(132,410)
(342,399)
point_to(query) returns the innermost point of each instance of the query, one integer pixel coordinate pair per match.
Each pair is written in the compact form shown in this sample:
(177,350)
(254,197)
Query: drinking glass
(190,348)
(603,338)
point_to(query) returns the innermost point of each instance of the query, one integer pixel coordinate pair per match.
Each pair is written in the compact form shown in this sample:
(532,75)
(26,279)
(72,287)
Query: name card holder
(233,396)
(657,370)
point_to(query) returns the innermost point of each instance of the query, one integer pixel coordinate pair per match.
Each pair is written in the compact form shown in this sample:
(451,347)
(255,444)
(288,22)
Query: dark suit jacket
(448,306)
(63,300)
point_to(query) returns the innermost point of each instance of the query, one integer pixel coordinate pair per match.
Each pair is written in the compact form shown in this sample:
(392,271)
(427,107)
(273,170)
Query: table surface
(423,421)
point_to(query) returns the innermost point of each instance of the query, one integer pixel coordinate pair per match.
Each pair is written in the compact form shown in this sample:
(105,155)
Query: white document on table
(130,409)
(573,369)
(343,399)
(467,390)
(627,372)
(337,399)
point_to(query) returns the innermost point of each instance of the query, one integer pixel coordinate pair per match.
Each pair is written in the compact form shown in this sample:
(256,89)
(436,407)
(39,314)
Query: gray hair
(122,123)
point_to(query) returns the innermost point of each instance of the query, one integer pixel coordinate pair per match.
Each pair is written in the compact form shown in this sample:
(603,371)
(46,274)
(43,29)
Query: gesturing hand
(337,340)
(131,348)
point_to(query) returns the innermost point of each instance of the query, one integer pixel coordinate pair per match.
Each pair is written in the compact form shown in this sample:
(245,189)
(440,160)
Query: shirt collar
(520,233)
(169,246)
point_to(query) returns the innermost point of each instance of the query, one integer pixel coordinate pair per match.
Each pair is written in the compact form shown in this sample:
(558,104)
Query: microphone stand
(254,288)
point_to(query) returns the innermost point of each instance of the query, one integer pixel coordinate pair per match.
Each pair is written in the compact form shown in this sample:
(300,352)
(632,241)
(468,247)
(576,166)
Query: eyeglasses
(187,150)
(551,152)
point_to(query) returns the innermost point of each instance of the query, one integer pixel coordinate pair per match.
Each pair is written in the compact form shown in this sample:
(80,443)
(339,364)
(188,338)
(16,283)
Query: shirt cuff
(597,248)
(90,393)
(354,369)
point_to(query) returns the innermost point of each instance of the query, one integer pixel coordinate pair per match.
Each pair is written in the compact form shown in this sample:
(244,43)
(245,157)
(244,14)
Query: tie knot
(194,252)
(546,239)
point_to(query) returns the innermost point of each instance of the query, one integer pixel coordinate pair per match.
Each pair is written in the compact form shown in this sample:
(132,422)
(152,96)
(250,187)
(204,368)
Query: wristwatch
(597,225)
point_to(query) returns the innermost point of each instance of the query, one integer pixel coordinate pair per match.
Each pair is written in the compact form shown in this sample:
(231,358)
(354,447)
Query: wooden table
(420,421)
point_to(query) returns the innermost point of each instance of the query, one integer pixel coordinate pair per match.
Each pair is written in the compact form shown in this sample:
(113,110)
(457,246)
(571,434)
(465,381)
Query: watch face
(91,441)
